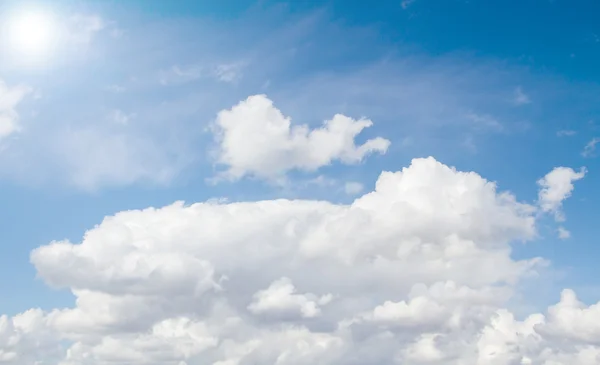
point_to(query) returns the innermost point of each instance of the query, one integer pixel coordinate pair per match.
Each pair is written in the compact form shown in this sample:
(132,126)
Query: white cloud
(572,320)
(590,149)
(353,187)
(280,298)
(555,187)
(230,72)
(10,97)
(563,233)
(418,270)
(520,98)
(256,139)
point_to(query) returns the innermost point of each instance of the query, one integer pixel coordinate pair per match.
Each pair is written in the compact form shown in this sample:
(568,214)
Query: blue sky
(121,117)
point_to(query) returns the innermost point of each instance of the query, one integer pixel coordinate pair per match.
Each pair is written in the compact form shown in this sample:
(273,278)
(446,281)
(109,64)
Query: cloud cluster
(256,139)
(418,271)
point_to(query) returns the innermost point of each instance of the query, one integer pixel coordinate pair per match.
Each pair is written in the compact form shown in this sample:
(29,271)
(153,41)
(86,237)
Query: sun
(31,32)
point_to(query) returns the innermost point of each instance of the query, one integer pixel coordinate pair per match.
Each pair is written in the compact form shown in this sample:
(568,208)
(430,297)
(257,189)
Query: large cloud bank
(419,271)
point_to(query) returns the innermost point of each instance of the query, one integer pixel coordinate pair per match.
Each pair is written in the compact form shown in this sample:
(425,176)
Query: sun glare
(31,32)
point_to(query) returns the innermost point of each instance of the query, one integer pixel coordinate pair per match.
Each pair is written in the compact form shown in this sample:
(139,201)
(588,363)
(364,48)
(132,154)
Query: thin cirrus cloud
(589,150)
(224,72)
(566,133)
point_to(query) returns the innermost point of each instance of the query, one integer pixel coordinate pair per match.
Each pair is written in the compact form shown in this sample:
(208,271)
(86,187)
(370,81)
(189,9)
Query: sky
(299,182)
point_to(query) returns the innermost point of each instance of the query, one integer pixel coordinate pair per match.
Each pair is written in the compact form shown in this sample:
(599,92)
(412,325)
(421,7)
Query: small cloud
(484,120)
(120,117)
(520,98)
(228,72)
(353,188)
(556,187)
(406,3)
(563,234)
(590,148)
(566,133)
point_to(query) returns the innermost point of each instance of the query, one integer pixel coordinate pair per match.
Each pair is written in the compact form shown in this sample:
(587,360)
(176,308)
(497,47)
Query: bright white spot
(32,32)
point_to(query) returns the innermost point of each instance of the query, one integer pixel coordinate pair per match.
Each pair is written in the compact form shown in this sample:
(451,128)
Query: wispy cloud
(230,72)
(120,117)
(520,98)
(226,72)
(83,27)
(353,187)
(566,133)
(590,148)
(10,97)
(563,233)
(484,121)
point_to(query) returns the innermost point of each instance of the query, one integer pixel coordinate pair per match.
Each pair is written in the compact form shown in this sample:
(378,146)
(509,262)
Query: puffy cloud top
(418,271)
(256,139)
(555,187)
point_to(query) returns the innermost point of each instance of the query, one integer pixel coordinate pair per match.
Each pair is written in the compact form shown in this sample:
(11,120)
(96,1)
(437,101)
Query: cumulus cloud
(10,97)
(280,298)
(411,272)
(256,139)
(418,271)
(555,187)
